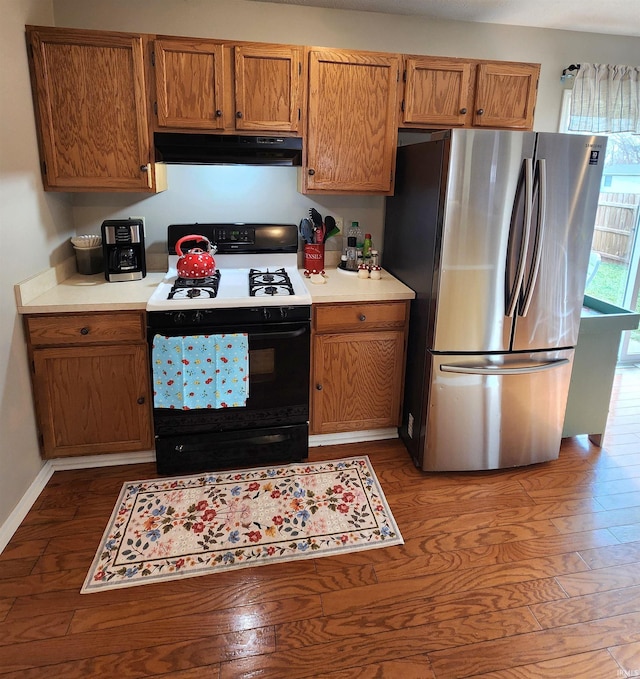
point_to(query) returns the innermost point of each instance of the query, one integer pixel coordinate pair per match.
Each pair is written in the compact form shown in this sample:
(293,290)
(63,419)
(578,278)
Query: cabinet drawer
(82,329)
(357,317)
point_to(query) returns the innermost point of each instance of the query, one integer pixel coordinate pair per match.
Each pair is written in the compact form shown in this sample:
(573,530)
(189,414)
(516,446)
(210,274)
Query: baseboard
(11,525)
(111,460)
(352,437)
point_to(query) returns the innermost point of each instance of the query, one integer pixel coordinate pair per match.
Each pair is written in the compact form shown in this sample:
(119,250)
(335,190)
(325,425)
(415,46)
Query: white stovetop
(233,292)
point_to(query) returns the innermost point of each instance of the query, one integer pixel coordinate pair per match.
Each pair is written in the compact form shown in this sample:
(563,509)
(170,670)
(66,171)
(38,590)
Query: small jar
(376,273)
(375,259)
(352,254)
(363,271)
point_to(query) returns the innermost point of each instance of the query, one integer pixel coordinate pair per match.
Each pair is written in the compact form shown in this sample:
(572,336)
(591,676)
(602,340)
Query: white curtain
(606,98)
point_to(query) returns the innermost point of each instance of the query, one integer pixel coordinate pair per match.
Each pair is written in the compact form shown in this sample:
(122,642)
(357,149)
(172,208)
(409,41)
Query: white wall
(36,226)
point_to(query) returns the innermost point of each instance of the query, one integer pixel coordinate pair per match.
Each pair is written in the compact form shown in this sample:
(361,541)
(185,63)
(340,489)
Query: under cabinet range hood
(212,149)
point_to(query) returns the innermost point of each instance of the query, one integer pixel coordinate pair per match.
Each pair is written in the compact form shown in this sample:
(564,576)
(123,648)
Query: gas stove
(259,302)
(256,266)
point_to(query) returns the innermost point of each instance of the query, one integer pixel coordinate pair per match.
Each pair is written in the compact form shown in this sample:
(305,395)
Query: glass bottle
(352,254)
(356,232)
(366,248)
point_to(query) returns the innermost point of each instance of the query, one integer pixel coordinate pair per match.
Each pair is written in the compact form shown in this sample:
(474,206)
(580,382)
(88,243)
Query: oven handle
(279,335)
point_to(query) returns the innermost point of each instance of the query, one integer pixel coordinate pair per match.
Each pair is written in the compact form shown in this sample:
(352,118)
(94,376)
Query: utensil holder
(89,260)
(314,257)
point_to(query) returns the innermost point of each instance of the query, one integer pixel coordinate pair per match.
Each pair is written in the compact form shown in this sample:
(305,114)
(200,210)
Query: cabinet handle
(319,387)
(311,171)
(463,111)
(218,113)
(362,318)
(84,331)
(480,111)
(147,168)
(141,401)
(238,114)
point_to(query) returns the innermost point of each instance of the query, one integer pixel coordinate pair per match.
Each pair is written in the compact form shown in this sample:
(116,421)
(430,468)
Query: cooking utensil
(306,230)
(316,217)
(318,225)
(330,228)
(195,263)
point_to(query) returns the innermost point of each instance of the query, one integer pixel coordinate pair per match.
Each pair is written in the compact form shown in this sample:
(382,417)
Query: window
(614,271)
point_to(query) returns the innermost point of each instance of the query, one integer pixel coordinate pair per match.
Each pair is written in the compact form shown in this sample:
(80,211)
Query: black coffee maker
(123,249)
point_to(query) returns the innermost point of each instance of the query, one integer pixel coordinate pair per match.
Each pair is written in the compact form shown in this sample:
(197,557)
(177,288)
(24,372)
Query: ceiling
(615,17)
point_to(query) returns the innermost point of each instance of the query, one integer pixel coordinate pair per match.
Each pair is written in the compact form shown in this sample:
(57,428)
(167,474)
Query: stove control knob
(179,318)
(283,312)
(198,317)
(266,313)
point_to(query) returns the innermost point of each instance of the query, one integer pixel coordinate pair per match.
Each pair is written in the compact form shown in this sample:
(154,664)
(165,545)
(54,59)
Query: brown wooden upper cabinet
(351,122)
(210,85)
(189,83)
(505,95)
(91,111)
(93,89)
(451,92)
(268,88)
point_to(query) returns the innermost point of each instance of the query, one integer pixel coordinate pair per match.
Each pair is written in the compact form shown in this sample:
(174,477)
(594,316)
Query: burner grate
(269,283)
(192,288)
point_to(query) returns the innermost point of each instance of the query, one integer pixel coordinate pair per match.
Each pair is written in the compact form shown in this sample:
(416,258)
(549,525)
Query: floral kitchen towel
(232,370)
(200,371)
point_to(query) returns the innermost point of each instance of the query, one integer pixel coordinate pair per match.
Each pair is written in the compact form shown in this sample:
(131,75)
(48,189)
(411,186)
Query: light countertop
(91,293)
(342,286)
(58,292)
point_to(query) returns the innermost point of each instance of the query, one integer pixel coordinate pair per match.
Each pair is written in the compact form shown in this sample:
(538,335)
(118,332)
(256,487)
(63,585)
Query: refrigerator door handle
(512,300)
(541,183)
(484,369)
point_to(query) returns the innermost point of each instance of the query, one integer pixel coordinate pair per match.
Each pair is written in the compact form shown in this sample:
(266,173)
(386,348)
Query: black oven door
(273,424)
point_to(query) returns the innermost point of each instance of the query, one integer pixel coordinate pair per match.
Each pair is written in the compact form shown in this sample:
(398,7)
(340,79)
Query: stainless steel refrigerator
(493,231)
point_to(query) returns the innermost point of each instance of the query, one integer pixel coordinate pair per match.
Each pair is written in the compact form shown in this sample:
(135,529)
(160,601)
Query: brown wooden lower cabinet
(91,383)
(358,359)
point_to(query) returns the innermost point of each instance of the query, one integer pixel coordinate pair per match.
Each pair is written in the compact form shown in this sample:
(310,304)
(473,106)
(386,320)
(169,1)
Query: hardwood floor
(525,573)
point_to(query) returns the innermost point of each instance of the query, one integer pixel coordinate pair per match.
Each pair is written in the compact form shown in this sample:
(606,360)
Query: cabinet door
(357,381)
(189,83)
(268,88)
(437,91)
(92,399)
(352,122)
(506,95)
(91,109)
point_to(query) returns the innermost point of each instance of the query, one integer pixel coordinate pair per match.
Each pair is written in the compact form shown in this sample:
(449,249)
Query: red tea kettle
(195,263)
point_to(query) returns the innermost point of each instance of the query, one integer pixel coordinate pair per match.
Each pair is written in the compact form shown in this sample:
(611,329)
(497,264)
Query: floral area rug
(170,528)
